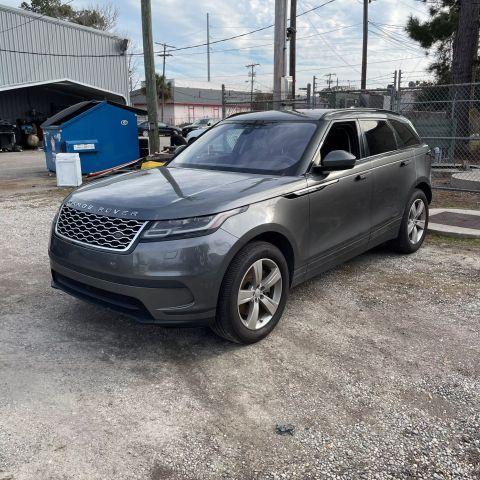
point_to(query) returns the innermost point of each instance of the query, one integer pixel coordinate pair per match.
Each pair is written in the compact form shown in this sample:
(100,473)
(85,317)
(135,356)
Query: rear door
(340,202)
(393,174)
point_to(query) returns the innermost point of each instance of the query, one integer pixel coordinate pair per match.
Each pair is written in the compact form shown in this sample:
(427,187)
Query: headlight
(189,227)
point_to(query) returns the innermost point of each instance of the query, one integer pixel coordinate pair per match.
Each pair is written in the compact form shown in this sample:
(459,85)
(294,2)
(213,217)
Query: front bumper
(173,282)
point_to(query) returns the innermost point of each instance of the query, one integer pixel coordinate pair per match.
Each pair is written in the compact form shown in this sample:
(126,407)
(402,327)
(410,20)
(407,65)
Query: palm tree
(164,90)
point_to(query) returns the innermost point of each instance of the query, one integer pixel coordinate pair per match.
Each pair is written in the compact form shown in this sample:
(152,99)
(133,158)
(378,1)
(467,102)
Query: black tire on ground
(402,243)
(228,323)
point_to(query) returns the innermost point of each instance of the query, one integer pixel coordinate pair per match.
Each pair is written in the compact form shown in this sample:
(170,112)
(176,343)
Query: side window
(406,136)
(341,136)
(379,136)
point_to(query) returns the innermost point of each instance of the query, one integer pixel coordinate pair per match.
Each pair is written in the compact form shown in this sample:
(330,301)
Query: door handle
(360,177)
(404,163)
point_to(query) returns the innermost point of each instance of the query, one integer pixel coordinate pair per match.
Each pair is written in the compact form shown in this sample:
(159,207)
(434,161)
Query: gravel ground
(376,364)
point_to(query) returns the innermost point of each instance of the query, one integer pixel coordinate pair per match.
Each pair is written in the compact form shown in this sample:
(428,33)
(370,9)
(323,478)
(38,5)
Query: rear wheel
(414,224)
(253,294)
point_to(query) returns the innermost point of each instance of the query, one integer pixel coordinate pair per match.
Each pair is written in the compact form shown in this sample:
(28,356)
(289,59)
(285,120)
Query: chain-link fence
(447,117)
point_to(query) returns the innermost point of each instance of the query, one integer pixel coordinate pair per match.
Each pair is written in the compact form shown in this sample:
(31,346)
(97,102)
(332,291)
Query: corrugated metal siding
(24,32)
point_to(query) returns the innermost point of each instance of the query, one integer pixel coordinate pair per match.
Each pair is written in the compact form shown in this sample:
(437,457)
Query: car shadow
(119,336)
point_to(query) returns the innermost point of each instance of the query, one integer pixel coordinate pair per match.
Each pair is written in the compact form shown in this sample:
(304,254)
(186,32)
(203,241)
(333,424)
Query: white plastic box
(69,170)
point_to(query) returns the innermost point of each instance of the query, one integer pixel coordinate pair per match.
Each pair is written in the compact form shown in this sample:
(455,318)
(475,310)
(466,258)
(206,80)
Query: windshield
(202,121)
(273,148)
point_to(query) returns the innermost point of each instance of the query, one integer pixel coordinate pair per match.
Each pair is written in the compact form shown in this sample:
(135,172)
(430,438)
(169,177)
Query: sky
(329,40)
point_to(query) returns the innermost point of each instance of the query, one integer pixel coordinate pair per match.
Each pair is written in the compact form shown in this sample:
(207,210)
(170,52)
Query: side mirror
(337,160)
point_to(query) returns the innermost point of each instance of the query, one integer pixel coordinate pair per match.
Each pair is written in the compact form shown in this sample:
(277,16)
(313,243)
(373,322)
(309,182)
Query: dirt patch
(450,199)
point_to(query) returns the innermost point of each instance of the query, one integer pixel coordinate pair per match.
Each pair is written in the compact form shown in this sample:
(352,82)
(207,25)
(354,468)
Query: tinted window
(406,137)
(379,136)
(274,148)
(341,136)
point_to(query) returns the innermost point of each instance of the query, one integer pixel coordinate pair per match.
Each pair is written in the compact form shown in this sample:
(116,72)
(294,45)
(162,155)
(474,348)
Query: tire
(407,242)
(236,322)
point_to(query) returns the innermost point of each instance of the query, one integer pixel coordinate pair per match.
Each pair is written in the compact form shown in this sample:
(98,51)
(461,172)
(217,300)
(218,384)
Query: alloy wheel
(260,293)
(416,221)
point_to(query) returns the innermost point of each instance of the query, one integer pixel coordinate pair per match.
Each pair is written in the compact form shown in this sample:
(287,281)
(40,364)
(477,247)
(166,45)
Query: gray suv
(260,203)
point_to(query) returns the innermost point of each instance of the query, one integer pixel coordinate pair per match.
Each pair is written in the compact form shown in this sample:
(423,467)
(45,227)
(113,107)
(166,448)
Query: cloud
(183,23)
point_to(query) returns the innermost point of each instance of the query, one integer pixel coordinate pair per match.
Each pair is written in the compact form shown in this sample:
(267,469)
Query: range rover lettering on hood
(173,193)
(101,210)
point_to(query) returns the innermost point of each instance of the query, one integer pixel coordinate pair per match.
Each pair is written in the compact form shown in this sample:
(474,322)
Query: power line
(160,52)
(394,41)
(329,45)
(72,55)
(250,32)
(269,44)
(238,75)
(222,39)
(395,35)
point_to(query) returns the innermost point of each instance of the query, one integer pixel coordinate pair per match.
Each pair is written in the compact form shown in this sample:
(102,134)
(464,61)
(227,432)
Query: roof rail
(334,111)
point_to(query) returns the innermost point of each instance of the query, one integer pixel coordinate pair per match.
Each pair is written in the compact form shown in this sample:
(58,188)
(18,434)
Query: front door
(340,203)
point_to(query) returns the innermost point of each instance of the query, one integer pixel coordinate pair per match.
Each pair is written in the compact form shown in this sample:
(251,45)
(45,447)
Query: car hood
(170,192)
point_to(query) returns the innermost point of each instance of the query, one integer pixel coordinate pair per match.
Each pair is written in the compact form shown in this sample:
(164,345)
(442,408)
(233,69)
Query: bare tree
(133,67)
(108,12)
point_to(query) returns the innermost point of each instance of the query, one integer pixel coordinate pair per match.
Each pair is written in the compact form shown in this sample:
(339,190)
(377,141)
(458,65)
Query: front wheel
(253,294)
(414,224)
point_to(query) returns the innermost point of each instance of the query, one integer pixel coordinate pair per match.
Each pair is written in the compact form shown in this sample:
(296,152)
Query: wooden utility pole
(309,94)
(330,81)
(393,102)
(224,102)
(363,83)
(399,89)
(164,55)
(279,51)
(150,81)
(314,90)
(292,34)
(252,66)
(208,46)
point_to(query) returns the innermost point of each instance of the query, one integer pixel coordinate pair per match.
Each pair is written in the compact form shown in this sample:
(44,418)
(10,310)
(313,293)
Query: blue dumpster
(104,133)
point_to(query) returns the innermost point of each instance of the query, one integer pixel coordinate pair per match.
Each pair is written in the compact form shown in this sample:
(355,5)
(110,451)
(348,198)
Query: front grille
(109,233)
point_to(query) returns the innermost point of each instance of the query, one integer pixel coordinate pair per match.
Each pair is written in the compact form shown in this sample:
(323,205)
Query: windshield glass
(273,148)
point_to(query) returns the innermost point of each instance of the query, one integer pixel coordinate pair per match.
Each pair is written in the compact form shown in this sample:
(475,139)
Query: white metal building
(48,64)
